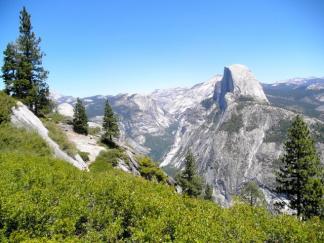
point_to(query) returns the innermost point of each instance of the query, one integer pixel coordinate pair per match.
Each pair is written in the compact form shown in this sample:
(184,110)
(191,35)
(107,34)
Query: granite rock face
(22,117)
(235,133)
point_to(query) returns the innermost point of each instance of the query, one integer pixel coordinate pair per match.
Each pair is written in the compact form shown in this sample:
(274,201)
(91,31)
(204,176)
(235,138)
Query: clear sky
(110,47)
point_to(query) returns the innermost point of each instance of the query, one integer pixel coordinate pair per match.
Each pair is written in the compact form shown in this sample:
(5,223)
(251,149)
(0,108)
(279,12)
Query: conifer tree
(23,73)
(9,68)
(80,120)
(189,180)
(110,124)
(252,195)
(208,193)
(300,176)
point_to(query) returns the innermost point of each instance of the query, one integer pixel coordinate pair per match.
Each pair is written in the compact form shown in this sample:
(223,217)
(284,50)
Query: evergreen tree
(9,68)
(80,120)
(189,180)
(300,176)
(208,193)
(23,73)
(110,124)
(252,194)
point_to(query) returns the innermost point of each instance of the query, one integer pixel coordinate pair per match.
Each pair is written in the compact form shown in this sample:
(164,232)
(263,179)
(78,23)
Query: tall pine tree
(23,73)
(80,120)
(110,124)
(301,176)
(189,180)
(9,68)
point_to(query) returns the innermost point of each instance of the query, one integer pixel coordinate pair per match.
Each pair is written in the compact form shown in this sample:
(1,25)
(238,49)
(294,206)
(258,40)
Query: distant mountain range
(234,125)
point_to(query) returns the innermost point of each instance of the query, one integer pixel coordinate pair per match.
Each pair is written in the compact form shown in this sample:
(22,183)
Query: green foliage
(208,194)
(150,171)
(80,120)
(233,125)
(110,124)
(55,133)
(23,74)
(106,159)
(6,103)
(43,199)
(252,194)
(84,155)
(21,141)
(188,179)
(301,176)
(94,131)
(57,117)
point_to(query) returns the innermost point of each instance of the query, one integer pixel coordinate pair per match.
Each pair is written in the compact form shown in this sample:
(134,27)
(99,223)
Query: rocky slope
(24,118)
(234,130)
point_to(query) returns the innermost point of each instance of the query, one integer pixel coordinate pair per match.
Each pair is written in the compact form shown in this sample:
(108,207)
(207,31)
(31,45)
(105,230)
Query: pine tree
(251,194)
(9,68)
(208,193)
(80,120)
(300,176)
(110,124)
(23,73)
(189,180)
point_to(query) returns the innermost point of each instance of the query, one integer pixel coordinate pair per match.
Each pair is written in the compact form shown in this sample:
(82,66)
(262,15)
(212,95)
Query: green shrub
(44,199)
(55,133)
(94,130)
(57,118)
(84,155)
(6,103)
(21,141)
(107,159)
(150,171)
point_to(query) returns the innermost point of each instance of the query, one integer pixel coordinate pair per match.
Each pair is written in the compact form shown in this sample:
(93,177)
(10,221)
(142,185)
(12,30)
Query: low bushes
(46,199)
(55,133)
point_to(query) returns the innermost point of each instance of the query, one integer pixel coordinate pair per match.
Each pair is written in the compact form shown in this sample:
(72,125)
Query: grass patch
(108,159)
(21,141)
(60,137)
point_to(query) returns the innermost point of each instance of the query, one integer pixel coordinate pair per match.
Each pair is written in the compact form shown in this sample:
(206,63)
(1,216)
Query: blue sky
(110,47)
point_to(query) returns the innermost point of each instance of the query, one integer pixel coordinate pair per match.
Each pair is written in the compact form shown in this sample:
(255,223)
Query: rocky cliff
(228,122)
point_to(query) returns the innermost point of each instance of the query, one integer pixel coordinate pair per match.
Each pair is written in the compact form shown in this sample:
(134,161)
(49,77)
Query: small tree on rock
(252,194)
(80,120)
(300,176)
(110,124)
(189,180)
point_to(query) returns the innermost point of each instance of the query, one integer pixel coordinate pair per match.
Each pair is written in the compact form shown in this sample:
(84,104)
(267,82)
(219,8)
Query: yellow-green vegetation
(6,103)
(57,118)
(21,141)
(46,199)
(84,155)
(59,137)
(107,159)
(94,130)
(150,171)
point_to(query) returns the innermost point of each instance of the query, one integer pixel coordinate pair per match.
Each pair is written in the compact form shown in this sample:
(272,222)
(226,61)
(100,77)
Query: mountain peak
(238,81)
